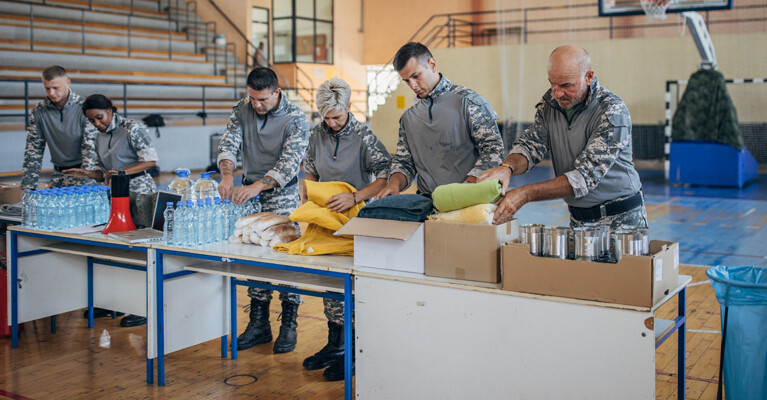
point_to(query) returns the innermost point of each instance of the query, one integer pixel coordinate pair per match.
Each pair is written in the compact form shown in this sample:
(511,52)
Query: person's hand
(110,173)
(341,202)
(76,172)
(226,186)
(391,188)
(509,204)
(246,193)
(502,173)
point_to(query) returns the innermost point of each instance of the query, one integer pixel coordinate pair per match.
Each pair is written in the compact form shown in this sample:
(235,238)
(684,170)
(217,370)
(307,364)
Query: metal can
(628,241)
(556,241)
(532,235)
(604,238)
(588,243)
(645,236)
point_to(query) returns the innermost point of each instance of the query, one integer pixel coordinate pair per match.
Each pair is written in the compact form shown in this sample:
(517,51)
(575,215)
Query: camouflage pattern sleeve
(309,162)
(402,161)
(293,150)
(484,133)
(88,146)
(612,136)
(377,158)
(533,143)
(230,143)
(141,142)
(33,154)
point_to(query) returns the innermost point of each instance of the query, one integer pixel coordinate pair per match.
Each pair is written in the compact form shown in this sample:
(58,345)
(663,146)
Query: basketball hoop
(656,9)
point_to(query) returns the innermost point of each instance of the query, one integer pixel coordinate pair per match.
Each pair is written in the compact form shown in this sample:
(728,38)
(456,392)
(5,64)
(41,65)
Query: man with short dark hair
(273,134)
(449,136)
(587,131)
(58,122)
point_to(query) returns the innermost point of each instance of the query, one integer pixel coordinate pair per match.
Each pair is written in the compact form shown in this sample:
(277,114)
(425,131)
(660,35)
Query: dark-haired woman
(122,144)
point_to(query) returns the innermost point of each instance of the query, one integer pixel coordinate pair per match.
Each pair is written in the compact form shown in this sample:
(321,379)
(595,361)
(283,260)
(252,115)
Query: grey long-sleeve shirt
(593,150)
(447,136)
(353,155)
(273,144)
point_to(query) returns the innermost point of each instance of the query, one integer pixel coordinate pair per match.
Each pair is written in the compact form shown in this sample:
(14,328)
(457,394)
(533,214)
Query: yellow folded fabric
(477,214)
(318,238)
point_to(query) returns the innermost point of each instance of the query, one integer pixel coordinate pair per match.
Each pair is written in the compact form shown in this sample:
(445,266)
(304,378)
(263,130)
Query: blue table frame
(14,255)
(161,277)
(679,326)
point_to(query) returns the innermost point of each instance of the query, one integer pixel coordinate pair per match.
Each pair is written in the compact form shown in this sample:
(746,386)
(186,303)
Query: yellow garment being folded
(318,238)
(477,214)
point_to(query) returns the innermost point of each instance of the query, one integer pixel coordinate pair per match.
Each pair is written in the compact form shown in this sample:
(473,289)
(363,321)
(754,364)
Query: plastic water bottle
(208,215)
(179,224)
(200,212)
(34,198)
(70,208)
(205,187)
(104,206)
(219,221)
(167,226)
(191,224)
(80,207)
(182,184)
(229,217)
(25,200)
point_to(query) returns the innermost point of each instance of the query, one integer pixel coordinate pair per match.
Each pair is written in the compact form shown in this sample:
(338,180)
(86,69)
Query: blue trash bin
(742,294)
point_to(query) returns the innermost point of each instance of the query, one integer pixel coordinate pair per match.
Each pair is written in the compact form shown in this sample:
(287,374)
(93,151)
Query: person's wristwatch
(509,167)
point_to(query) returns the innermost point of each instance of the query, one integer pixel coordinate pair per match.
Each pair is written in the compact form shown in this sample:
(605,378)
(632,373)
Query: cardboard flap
(379,228)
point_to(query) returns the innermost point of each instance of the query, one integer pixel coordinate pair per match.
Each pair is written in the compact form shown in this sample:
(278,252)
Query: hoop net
(656,9)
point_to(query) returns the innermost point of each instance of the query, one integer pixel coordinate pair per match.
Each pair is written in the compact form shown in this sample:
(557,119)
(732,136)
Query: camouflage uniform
(363,158)
(272,145)
(125,143)
(69,135)
(592,149)
(447,136)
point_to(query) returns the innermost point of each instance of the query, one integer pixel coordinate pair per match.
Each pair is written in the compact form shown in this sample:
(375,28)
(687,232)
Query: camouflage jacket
(353,155)
(447,136)
(593,150)
(273,144)
(69,135)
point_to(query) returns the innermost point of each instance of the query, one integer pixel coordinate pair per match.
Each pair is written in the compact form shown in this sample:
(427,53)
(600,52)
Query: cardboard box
(467,251)
(10,192)
(380,243)
(636,280)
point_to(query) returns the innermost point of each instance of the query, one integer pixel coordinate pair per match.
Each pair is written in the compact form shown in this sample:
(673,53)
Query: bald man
(587,131)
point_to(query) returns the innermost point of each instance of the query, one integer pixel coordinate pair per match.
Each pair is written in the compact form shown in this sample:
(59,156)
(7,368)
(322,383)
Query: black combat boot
(332,351)
(335,372)
(258,330)
(286,341)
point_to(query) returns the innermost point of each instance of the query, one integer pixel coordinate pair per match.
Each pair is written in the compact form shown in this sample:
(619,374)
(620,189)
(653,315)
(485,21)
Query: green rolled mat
(455,196)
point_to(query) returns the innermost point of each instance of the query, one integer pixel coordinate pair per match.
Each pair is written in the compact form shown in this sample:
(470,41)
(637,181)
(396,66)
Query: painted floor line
(704,331)
(722,254)
(699,283)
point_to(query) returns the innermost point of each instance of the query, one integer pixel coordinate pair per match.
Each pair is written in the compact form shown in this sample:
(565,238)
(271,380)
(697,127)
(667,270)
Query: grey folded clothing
(11,209)
(400,207)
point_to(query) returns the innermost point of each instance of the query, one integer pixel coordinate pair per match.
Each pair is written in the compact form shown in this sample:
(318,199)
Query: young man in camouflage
(344,150)
(273,134)
(587,130)
(449,136)
(58,121)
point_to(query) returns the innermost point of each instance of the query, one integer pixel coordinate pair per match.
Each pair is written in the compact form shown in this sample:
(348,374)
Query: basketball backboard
(619,8)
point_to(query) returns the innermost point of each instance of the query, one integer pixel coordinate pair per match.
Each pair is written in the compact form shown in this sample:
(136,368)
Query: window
(260,34)
(303,31)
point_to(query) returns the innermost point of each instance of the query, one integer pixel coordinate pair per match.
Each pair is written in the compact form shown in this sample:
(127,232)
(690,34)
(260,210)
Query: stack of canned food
(590,242)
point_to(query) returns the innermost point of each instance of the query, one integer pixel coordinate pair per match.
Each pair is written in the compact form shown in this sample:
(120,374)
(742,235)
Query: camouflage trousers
(60,180)
(282,202)
(636,216)
(143,184)
(334,310)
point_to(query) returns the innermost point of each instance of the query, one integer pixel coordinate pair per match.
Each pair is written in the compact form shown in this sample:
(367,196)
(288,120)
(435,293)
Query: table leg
(13,279)
(159,285)
(233,315)
(90,292)
(681,344)
(348,347)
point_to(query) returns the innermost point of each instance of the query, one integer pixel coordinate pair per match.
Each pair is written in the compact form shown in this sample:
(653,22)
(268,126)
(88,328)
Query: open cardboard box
(387,244)
(467,251)
(635,280)
(10,192)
